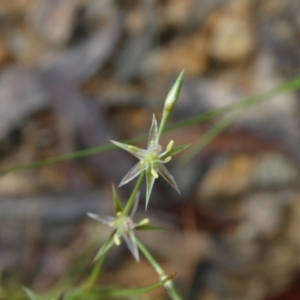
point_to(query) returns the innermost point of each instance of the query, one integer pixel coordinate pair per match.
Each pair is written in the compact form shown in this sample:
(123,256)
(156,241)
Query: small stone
(272,7)
(263,215)
(232,40)
(278,266)
(275,170)
(176,13)
(135,21)
(188,53)
(55,20)
(16,184)
(230,178)
(95,10)
(21,95)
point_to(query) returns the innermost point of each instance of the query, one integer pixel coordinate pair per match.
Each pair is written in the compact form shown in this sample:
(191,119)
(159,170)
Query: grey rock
(84,59)
(20,96)
(275,171)
(54,20)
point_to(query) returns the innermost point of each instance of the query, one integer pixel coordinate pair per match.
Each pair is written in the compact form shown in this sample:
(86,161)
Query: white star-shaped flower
(152,160)
(123,227)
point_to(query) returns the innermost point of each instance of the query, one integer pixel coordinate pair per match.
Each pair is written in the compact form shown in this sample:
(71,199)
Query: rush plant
(151,164)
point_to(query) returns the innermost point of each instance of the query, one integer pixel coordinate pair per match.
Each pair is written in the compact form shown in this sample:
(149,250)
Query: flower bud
(173,94)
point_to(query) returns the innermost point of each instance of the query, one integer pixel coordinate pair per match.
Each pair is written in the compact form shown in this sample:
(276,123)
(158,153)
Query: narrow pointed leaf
(29,294)
(162,170)
(106,246)
(104,220)
(136,151)
(149,185)
(132,173)
(62,296)
(130,242)
(149,228)
(117,201)
(153,131)
(177,149)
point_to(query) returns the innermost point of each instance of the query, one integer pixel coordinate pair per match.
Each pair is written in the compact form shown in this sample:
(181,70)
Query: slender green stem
(107,293)
(132,197)
(162,125)
(60,158)
(169,286)
(29,294)
(290,85)
(121,292)
(208,137)
(90,282)
(235,110)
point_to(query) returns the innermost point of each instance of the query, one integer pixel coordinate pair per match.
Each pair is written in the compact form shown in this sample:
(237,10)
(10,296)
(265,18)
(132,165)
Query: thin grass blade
(30,294)
(177,150)
(106,246)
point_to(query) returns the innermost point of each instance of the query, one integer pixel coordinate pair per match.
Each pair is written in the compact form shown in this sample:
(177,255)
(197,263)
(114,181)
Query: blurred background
(76,73)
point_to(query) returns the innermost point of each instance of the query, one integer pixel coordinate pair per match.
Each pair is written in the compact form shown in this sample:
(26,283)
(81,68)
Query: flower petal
(104,220)
(130,242)
(149,185)
(132,173)
(153,132)
(136,151)
(135,206)
(162,170)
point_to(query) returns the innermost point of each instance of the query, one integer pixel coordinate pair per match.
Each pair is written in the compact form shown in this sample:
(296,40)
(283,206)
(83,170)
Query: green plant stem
(90,282)
(121,292)
(132,197)
(208,137)
(162,125)
(105,293)
(169,286)
(60,158)
(290,85)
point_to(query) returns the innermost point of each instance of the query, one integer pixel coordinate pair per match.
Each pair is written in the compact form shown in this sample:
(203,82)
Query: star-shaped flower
(152,160)
(123,227)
